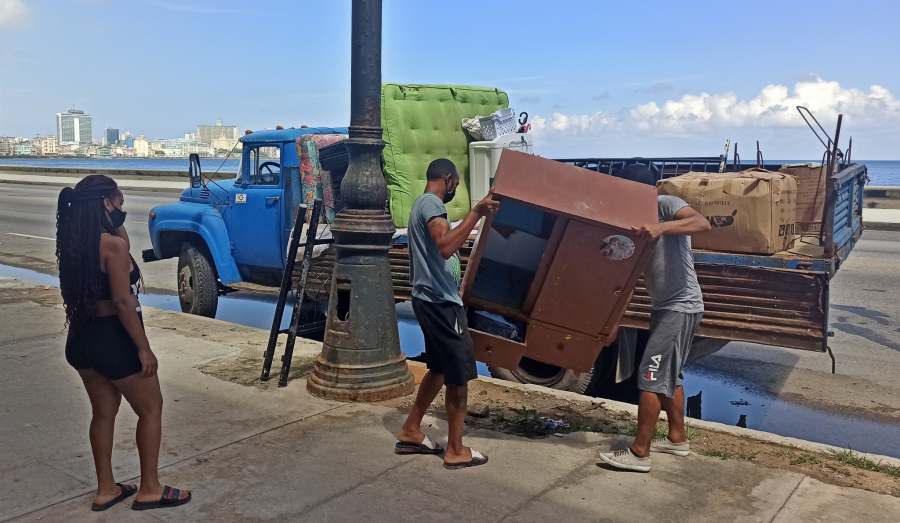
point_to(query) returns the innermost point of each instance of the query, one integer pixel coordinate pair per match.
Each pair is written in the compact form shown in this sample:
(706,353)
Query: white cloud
(13,13)
(775,107)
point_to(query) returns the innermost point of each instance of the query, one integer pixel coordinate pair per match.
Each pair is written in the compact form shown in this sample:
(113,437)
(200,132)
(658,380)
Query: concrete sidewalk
(262,453)
(881,219)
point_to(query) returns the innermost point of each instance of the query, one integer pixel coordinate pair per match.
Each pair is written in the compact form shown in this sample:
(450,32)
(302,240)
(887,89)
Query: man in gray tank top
(677,306)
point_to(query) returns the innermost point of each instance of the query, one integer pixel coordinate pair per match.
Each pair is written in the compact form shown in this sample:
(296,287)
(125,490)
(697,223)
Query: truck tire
(546,375)
(198,285)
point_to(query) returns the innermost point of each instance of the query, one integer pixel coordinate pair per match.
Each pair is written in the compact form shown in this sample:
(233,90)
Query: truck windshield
(264,166)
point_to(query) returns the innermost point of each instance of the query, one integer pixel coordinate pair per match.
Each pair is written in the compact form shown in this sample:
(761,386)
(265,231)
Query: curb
(627,408)
(124,189)
(881,226)
(53,170)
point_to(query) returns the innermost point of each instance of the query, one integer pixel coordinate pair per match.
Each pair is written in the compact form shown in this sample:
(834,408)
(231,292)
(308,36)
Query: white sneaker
(663,444)
(626,460)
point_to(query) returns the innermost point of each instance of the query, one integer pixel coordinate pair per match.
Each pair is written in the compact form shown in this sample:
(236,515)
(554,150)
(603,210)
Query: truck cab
(224,232)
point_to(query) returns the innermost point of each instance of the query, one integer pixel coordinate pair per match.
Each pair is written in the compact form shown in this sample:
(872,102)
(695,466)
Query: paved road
(865,310)
(865,319)
(28,231)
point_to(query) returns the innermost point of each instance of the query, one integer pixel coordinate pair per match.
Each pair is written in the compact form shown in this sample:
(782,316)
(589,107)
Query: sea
(881,172)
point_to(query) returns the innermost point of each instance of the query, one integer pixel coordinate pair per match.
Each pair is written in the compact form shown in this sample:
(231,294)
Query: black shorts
(105,346)
(448,345)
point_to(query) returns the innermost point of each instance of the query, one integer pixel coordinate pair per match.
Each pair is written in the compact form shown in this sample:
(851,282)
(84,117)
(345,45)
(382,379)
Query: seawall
(221,175)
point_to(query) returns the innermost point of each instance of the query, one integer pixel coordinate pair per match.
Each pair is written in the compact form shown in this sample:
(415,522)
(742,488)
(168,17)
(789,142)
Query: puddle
(29,275)
(252,312)
(723,400)
(709,396)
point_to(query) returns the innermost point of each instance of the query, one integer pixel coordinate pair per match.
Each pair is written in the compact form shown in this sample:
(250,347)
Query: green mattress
(422,123)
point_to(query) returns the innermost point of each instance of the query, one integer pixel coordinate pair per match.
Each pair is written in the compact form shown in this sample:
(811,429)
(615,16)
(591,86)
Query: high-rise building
(141,147)
(208,133)
(74,127)
(49,145)
(112,136)
(6,146)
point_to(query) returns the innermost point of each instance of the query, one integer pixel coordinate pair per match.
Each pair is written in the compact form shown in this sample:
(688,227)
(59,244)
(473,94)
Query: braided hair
(81,217)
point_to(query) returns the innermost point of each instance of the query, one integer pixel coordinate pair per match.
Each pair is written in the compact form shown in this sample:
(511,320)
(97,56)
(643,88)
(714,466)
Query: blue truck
(224,232)
(238,230)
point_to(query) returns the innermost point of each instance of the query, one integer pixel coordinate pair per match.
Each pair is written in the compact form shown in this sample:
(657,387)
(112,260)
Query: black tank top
(106,291)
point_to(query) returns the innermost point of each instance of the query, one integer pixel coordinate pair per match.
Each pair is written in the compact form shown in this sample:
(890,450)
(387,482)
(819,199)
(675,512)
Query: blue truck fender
(182,221)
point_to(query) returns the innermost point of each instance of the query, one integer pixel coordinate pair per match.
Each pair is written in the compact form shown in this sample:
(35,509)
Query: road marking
(31,236)
(135,221)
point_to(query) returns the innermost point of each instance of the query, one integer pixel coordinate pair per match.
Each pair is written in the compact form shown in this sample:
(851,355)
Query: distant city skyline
(651,78)
(74,138)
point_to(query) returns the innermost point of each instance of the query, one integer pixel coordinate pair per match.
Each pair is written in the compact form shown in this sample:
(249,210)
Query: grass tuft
(747,455)
(804,459)
(717,453)
(784,453)
(691,431)
(854,459)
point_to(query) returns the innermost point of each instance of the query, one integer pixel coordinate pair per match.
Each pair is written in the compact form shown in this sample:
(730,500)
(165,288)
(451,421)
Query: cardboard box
(810,195)
(753,211)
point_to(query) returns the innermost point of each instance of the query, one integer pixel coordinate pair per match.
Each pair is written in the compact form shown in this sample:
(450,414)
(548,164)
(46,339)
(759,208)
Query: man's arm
(687,221)
(449,240)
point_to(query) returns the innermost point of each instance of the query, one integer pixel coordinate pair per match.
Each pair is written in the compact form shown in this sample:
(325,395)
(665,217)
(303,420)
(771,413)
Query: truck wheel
(198,286)
(551,376)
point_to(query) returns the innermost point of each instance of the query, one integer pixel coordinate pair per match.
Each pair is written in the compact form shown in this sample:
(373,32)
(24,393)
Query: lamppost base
(363,383)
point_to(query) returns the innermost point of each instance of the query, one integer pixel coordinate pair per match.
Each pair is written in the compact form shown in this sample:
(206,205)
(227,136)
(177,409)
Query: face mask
(448,196)
(117,217)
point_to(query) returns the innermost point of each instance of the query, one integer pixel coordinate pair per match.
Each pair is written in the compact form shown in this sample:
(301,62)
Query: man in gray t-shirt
(434,275)
(677,306)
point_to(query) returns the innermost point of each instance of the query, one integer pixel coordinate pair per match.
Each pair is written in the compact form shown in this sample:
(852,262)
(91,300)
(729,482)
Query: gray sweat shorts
(671,335)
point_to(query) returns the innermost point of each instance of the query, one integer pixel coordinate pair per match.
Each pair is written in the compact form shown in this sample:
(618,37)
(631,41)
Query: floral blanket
(314,181)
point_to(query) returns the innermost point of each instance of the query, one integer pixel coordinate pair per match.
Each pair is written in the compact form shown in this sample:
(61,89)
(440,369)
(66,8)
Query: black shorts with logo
(448,345)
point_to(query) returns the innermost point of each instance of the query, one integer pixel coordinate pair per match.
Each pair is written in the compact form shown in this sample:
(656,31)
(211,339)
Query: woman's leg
(146,400)
(105,399)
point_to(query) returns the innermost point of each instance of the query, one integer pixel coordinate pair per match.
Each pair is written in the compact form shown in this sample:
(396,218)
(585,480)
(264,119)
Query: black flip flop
(426,447)
(127,490)
(477,459)
(170,498)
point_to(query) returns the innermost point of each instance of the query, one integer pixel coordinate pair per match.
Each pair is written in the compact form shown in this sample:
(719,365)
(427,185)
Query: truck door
(256,218)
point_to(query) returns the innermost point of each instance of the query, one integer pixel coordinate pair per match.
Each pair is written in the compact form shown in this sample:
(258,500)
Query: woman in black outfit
(106,343)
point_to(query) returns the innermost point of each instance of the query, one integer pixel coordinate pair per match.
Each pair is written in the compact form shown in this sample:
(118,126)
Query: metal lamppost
(361,358)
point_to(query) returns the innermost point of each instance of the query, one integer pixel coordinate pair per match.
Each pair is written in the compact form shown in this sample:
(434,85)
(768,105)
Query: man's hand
(649,231)
(487,205)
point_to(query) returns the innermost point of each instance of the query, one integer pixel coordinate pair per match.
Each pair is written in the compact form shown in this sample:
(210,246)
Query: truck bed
(780,300)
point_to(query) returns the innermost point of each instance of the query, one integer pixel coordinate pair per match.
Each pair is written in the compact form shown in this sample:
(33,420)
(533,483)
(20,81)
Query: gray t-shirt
(433,278)
(669,276)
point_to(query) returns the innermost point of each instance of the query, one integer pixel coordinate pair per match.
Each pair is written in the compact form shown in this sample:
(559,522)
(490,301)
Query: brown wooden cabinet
(560,255)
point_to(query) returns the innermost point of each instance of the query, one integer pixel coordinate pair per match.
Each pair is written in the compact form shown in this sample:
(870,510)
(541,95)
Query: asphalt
(265,454)
(28,230)
(883,214)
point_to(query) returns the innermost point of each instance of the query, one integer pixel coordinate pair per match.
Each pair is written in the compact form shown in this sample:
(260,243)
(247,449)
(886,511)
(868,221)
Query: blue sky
(599,78)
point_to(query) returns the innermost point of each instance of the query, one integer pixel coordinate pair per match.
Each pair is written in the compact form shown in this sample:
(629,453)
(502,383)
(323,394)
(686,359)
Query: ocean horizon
(881,172)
